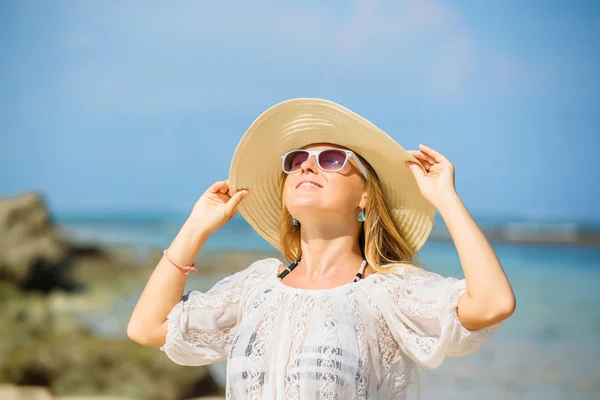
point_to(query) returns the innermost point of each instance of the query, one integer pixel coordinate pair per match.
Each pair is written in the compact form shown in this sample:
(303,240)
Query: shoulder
(264,266)
(253,273)
(402,270)
(404,281)
(262,270)
(250,277)
(408,275)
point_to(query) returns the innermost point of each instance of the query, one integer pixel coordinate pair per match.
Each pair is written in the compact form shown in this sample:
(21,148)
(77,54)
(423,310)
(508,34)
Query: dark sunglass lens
(293,160)
(332,160)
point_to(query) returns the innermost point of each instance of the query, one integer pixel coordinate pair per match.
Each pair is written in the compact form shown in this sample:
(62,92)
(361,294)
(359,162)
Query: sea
(548,349)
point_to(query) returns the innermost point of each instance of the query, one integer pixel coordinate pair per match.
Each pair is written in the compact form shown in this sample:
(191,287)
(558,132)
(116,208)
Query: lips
(308,181)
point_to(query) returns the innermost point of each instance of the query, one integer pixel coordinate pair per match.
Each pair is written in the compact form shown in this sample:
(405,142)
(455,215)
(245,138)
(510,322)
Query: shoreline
(531,236)
(70,303)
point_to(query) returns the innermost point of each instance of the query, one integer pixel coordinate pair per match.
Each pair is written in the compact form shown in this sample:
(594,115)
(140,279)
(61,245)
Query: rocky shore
(47,286)
(14,392)
(65,307)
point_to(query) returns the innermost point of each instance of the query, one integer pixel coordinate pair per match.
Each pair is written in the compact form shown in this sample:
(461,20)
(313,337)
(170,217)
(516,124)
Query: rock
(36,255)
(92,398)
(13,392)
(209,398)
(84,365)
(32,252)
(46,284)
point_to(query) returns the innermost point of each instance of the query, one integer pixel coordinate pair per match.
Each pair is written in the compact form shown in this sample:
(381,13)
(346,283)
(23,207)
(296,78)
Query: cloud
(189,55)
(313,27)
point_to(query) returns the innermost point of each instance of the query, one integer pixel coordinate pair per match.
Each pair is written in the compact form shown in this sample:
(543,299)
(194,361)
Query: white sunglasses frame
(349,155)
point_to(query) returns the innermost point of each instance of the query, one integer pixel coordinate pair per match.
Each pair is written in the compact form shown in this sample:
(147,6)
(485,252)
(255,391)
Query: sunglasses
(330,160)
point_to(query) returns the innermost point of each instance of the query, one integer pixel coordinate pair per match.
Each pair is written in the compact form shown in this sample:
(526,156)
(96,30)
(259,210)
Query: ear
(363,200)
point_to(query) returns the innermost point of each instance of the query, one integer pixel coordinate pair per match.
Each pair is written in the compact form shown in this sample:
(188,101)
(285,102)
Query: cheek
(287,190)
(345,193)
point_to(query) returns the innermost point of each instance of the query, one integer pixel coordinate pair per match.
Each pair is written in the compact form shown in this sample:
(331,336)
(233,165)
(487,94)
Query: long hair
(380,239)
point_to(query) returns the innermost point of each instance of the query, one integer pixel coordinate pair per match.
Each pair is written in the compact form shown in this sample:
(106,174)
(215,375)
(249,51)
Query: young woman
(353,312)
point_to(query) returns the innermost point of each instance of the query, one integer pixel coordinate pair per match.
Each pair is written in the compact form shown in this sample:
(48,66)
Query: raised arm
(148,322)
(489,297)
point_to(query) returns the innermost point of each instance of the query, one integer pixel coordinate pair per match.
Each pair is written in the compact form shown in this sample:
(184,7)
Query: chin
(298,207)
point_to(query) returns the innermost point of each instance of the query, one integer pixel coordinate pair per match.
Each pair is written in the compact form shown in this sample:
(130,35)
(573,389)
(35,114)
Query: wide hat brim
(295,123)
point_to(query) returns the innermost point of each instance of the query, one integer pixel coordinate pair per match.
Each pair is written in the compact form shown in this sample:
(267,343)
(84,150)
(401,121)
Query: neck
(327,255)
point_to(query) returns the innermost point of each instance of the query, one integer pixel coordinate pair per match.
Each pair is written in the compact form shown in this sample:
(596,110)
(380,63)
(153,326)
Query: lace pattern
(292,376)
(388,348)
(260,343)
(424,317)
(467,342)
(329,364)
(357,341)
(182,347)
(361,379)
(199,346)
(287,333)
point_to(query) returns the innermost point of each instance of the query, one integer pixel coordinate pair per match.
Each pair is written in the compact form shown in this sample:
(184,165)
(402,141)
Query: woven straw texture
(295,123)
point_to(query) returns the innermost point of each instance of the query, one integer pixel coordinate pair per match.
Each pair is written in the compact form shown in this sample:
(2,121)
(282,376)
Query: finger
(438,157)
(428,157)
(220,187)
(217,186)
(231,206)
(225,187)
(422,156)
(415,153)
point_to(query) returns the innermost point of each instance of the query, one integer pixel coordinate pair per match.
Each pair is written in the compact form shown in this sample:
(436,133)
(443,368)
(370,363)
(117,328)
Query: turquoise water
(549,348)
(144,230)
(548,280)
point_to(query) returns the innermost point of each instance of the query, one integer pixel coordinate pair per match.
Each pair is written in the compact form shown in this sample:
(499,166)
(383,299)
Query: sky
(138,105)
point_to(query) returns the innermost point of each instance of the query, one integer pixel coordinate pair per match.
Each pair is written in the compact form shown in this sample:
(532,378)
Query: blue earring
(361,216)
(294,221)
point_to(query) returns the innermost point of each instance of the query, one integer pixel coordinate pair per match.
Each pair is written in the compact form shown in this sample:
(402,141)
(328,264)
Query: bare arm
(148,322)
(489,298)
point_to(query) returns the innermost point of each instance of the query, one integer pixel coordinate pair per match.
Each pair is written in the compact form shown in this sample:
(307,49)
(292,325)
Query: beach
(66,336)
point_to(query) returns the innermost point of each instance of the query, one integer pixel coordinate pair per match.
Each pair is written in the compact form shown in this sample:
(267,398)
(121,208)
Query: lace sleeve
(201,327)
(420,309)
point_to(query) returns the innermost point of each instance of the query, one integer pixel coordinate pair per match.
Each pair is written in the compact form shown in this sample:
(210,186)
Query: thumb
(232,203)
(416,170)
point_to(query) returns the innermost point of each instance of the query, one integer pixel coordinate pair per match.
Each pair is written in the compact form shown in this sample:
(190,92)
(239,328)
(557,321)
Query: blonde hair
(380,239)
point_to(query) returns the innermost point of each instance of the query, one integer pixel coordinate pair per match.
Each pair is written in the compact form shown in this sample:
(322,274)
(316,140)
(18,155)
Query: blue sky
(130,105)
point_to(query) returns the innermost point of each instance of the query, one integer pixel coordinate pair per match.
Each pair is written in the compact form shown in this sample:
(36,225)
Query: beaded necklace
(293,265)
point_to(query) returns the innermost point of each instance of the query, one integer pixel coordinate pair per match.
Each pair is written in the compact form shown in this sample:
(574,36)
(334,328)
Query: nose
(310,164)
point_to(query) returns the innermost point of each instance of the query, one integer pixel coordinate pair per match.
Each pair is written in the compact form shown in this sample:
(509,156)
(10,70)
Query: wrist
(195,230)
(185,268)
(448,202)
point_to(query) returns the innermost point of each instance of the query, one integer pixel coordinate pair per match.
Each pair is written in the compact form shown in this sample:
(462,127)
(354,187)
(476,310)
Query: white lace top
(355,341)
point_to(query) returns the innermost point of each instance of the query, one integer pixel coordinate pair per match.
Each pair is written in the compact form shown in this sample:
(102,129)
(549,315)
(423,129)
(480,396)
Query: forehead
(319,146)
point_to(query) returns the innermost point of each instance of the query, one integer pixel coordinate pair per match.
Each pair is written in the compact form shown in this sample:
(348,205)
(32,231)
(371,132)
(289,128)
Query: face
(331,195)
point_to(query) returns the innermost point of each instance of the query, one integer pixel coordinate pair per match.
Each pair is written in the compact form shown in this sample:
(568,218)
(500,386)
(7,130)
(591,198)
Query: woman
(353,312)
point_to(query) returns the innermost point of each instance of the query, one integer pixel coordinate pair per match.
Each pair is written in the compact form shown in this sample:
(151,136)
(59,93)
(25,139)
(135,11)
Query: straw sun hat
(295,123)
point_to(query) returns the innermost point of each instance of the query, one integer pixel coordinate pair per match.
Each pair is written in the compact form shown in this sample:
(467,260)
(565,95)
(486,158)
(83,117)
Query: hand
(437,181)
(215,207)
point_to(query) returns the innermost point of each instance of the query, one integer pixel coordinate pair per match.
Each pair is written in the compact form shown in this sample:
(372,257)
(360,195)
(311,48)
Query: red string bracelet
(185,268)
